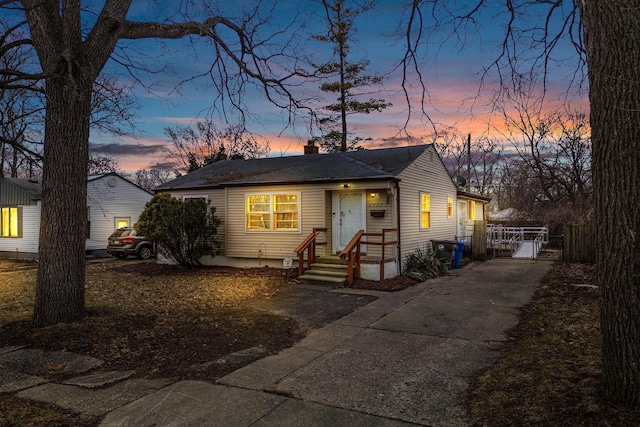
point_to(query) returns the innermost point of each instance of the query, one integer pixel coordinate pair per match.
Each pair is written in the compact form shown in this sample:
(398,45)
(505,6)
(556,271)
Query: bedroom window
(273,212)
(10,220)
(425,210)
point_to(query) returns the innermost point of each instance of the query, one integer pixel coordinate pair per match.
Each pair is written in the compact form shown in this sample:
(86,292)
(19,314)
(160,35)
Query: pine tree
(349,77)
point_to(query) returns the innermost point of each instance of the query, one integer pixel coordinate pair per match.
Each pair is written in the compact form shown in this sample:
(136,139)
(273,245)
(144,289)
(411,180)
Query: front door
(348,217)
(462,219)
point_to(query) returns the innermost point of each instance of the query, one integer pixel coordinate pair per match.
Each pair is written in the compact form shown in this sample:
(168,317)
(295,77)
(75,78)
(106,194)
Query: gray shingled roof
(32,186)
(353,165)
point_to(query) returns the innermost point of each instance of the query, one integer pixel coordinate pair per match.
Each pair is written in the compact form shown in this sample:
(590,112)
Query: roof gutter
(262,184)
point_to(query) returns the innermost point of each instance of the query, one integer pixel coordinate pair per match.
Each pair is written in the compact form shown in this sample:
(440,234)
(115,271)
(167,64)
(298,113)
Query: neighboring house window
(11,222)
(449,207)
(425,210)
(122,222)
(273,212)
(471,210)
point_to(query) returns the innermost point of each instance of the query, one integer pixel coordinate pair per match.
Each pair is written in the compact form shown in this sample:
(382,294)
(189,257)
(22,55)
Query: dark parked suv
(124,241)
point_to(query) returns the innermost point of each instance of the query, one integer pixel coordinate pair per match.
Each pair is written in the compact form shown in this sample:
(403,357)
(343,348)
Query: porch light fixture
(375,195)
(346,185)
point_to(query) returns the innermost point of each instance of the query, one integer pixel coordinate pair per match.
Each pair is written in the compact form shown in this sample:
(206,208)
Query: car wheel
(144,252)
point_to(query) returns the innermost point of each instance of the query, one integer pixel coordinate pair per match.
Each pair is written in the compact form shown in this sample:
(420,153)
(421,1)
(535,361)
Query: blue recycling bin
(458,255)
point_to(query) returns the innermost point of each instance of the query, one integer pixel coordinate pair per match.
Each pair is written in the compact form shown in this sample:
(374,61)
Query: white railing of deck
(513,237)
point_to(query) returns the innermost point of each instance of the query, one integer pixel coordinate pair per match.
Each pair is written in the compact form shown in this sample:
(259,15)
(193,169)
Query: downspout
(399,252)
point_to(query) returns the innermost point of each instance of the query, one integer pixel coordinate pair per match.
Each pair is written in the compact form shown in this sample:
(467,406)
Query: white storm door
(348,218)
(462,219)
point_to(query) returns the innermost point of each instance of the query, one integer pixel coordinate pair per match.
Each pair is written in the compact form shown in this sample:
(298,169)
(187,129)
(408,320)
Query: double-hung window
(425,210)
(10,219)
(273,212)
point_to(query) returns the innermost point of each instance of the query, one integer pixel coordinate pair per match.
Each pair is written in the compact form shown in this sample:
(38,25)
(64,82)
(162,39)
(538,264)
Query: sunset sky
(451,70)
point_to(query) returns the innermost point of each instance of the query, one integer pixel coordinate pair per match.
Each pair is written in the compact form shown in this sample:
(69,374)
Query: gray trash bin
(445,250)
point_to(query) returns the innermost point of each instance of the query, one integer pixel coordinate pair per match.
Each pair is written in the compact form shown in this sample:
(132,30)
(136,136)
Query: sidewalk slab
(450,317)
(94,402)
(414,378)
(11,381)
(373,311)
(195,403)
(263,373)
(328,338)
(297,413)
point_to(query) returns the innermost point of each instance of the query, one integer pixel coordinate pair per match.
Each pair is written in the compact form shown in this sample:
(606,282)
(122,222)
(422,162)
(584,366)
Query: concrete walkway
(405,359)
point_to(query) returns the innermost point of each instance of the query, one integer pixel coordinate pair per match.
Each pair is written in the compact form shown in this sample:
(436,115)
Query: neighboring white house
(269,206)
(112,202)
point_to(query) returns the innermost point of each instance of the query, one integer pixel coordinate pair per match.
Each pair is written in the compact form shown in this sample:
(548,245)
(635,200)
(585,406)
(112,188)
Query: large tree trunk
(613,54)
(61,271)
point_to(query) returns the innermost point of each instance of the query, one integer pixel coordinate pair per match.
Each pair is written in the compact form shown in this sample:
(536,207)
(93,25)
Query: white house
(269,206)
(112,202)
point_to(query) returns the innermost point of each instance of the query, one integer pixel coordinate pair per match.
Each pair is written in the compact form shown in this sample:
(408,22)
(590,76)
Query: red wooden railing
(353,259)
(384,243)
(309,245)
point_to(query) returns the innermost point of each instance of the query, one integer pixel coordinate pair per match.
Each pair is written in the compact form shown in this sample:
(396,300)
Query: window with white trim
(449,206)
(273,212)
(425,210)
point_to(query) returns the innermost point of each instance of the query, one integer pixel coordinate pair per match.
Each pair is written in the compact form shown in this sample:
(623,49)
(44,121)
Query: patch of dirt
(389,285)
(161,319)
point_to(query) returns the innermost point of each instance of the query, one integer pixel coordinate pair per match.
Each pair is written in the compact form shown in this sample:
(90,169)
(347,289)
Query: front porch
(351,263)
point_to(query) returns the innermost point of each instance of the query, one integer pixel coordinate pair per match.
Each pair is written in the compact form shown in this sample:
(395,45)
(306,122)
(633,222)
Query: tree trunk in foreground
(613,54)
(61,270)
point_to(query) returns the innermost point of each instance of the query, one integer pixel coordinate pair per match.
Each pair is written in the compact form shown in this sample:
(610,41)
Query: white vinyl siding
(111,198)
(380,198)
(426,174)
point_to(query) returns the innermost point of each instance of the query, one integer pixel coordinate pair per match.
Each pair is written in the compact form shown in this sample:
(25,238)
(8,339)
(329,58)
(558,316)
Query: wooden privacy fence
(479,241)
(579,243)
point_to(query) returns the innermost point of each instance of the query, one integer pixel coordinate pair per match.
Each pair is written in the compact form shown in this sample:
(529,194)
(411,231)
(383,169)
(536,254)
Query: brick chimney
(310,148)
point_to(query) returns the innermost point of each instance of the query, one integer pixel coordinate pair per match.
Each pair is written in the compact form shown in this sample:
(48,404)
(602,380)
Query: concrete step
(333,260)
(310,277)
(331,273)
(329,267)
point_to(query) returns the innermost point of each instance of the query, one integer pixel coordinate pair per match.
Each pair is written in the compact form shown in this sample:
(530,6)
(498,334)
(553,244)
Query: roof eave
(288,182)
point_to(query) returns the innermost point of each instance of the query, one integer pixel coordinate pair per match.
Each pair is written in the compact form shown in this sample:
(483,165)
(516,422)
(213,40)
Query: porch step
(326,273)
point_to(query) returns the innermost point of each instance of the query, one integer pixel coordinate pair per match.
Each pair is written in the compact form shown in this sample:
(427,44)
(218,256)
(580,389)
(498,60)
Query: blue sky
(451,70)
